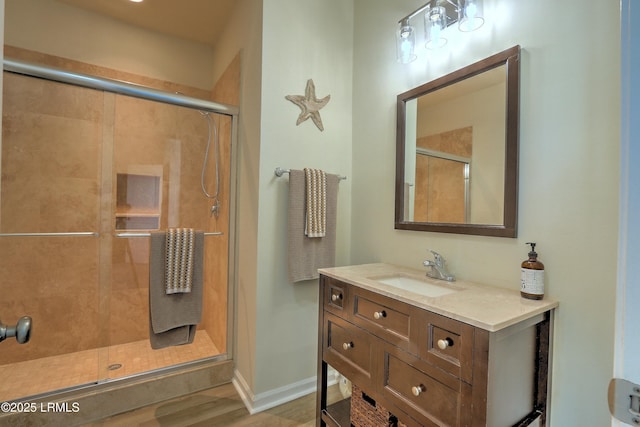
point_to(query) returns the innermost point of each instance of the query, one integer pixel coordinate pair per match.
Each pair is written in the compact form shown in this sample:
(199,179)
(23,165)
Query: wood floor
(219,406)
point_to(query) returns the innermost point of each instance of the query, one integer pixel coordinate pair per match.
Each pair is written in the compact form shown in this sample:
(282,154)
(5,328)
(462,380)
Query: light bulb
(435,23)
(405,48)
(470,11)
(405,43)
(470,15)
(435,34)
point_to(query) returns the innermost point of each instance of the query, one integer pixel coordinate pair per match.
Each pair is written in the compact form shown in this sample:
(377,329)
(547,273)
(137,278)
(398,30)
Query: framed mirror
(457,150)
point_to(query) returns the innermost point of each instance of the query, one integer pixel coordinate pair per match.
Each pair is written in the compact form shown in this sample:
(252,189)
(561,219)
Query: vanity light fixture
(438,16)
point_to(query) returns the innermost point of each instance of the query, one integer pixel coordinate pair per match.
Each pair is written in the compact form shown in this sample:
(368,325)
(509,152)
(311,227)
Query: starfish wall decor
(309,104)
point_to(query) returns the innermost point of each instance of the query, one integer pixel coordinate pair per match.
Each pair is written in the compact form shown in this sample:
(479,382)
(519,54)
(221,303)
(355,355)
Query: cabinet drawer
(335,296)
(433,398)
(349,349)
(386,318)
(448,344)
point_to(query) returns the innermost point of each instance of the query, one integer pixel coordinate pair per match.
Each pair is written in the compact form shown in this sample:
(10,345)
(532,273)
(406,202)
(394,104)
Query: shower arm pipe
(115,86)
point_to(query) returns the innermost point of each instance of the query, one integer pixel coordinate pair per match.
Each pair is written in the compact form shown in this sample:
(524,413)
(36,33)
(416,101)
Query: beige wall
(277,320)
(246,15)
(70,32)
(569,139)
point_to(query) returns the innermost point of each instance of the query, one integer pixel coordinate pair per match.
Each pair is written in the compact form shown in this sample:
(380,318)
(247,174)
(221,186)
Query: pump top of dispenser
(532,254)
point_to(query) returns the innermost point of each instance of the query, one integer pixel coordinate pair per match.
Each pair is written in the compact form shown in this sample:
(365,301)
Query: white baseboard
(262,401)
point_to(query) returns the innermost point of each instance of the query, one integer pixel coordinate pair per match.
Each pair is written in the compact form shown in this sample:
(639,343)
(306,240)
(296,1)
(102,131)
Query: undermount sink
(418,286)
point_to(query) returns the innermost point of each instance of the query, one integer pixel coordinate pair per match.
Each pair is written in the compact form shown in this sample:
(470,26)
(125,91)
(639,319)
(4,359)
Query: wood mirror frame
(510,58)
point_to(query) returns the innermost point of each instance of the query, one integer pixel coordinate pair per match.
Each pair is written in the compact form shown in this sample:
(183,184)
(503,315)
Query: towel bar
(89,234)
(62,234)
(124,235)
(279,172)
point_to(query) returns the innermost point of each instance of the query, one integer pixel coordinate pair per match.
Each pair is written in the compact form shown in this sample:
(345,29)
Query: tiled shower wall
(54,179)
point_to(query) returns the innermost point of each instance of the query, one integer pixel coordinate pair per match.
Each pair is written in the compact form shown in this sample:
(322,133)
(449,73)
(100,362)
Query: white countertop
(483,306)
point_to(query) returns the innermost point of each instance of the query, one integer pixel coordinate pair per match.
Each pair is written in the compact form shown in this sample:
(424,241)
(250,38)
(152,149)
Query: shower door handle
(22,330)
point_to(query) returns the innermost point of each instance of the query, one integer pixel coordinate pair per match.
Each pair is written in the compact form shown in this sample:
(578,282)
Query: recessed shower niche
(139,198)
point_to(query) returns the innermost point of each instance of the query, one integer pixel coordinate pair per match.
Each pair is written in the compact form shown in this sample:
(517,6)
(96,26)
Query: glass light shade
(470,16)
(435,21)
(405,42)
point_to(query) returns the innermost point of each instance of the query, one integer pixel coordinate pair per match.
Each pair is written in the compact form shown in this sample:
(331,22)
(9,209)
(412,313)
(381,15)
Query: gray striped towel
(305,255)
(316,201)
(179,260)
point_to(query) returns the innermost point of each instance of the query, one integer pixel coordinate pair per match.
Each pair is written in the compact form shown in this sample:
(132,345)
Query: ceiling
(195,20)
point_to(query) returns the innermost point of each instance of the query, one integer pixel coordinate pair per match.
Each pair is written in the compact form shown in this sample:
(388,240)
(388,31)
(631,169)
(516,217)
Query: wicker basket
(366,412)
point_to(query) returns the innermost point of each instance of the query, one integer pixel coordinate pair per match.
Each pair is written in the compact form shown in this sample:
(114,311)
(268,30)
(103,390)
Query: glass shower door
(49,228)
(86,176)
(158,157)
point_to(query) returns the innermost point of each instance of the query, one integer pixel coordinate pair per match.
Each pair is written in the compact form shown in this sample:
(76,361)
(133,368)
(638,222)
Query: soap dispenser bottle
(532,276)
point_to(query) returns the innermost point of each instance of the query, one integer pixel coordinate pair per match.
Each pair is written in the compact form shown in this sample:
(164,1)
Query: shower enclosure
(89,167)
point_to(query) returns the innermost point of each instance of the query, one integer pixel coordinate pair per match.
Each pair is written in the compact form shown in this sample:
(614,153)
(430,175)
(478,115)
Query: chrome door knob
(347,345)
(336,297)
(22,330)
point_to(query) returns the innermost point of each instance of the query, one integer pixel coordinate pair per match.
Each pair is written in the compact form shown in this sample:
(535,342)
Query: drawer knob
(379,315)
(416,390)
(336,297)
(347,345)
(443,344)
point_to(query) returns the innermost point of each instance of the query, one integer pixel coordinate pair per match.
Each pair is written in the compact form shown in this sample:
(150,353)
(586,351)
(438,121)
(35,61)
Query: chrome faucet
(438,268)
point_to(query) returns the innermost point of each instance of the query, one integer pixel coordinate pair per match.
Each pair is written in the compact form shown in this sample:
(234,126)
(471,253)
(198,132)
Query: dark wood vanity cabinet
(426,369)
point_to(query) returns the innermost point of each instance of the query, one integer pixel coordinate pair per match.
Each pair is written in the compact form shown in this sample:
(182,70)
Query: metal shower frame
(142,92)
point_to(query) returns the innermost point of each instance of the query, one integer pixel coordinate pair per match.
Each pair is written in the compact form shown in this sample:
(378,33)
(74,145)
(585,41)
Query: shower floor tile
(84,367)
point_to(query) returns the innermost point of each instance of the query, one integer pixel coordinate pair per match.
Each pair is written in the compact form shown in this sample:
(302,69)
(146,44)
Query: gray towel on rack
(306,255)
(173,318)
